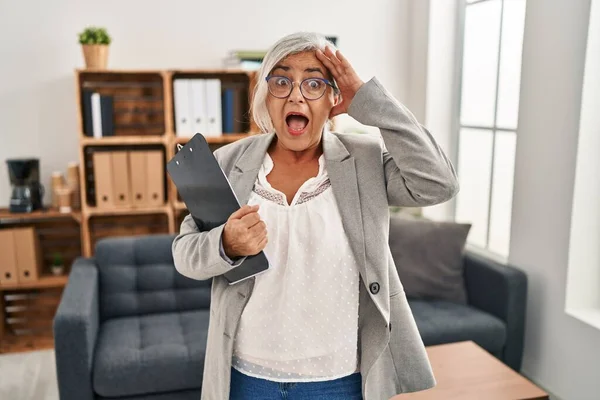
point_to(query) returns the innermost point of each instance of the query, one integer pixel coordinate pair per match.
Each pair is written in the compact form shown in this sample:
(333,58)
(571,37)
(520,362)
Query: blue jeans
(244,387)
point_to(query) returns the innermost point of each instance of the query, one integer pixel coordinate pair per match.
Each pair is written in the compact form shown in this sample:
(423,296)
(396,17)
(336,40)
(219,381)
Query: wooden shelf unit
(149,93)
(49,213)
(27,308)
(123,140)
(45,281)
(223,139)
(143,119)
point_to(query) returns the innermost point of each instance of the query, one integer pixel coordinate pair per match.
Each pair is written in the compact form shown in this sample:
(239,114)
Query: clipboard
(209,197)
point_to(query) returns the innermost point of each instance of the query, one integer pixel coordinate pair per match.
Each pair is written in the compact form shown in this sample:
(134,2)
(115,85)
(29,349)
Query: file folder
(183,106)
(28,252)
(209,197)
(138,178)
(155,181)
(199,107)
(213,108)
(97,115)
(103,179)
(8,258)
(120,179)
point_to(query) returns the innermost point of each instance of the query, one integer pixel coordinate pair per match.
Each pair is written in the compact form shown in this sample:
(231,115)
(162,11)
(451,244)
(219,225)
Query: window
(492,43)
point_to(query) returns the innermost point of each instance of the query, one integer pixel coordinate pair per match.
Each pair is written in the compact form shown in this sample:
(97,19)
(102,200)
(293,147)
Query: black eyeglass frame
(292,83)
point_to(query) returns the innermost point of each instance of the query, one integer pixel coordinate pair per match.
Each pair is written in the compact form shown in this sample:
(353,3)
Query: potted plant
(58,264)
(94,42)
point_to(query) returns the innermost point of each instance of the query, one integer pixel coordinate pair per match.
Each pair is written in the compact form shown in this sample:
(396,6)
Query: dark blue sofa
(130,327)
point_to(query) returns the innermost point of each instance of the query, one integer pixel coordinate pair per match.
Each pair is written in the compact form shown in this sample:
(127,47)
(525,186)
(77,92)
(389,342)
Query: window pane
(502,190)
(480,63)
(513,24)
(474,170)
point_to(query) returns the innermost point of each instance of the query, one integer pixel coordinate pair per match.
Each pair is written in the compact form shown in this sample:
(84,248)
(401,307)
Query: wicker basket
(96,55)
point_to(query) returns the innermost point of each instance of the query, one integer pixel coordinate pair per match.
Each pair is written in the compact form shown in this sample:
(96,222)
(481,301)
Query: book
(227,100)
(98,114)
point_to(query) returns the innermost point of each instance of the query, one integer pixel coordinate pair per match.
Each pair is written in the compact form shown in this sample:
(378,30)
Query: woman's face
(299,122)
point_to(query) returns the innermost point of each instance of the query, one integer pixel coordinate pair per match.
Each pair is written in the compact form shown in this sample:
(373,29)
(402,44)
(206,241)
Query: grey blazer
(366,177)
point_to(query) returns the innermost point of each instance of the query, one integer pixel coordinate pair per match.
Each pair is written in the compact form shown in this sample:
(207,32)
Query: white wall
(438,89)
(39,52)
(583,282)
(561,353)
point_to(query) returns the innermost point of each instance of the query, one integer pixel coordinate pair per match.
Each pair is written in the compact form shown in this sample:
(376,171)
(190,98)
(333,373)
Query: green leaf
(94,35)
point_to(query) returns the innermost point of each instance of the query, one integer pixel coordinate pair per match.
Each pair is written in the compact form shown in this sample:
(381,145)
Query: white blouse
(301,321)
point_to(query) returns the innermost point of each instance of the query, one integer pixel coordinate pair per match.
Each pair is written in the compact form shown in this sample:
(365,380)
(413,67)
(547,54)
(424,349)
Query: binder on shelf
(88,126)
(239,111)
(107,115)
(28,254)
(182,100)
(138,178)
(103,179)
(213,108)
(98,114)
(120,179)
(227,110)
(8,259)
(199,106)
(155,171)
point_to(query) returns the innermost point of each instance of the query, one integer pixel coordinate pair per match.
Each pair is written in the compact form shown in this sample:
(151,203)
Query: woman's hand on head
(347,79)
(245,234)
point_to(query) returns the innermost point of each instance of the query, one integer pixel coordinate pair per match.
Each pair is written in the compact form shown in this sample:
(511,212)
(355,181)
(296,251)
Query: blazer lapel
(342,175)
(244,172)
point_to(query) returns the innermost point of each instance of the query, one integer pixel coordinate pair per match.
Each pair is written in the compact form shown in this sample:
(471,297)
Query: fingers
(339,66)
(331,63)
(250,219)
(246,209)
(345,63)
(327,62)
(263,244)
(260,229)
(332,56)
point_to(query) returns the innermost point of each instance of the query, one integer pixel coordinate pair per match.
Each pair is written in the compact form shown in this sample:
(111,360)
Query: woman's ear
(337,99)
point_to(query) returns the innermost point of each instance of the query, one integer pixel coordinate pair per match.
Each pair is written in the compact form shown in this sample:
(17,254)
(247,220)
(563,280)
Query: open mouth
(296,122)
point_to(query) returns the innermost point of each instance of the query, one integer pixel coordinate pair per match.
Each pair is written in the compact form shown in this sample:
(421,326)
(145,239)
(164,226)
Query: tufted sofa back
(137,276)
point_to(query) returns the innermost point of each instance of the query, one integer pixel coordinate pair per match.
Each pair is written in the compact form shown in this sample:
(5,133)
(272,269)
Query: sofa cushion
(150,354)
(429,257)
(442,322)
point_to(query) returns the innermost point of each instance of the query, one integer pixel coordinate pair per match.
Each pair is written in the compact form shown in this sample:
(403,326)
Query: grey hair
(292,44)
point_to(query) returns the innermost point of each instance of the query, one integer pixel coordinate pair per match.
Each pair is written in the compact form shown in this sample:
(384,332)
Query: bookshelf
(27,307)
(143,120)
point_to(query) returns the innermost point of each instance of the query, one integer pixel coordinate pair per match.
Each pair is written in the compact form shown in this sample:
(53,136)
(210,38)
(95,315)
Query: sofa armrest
(500,290)
(75,330)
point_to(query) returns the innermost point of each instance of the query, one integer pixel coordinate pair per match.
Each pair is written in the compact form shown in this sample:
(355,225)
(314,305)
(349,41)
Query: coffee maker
(27,191)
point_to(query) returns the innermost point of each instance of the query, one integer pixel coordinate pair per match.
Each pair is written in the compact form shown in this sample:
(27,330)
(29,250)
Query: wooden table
(467,372)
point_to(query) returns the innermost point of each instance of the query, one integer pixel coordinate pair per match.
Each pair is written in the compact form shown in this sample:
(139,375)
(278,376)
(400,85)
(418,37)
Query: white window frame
(457,125)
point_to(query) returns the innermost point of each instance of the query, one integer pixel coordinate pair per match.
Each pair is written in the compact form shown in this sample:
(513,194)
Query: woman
(330,319)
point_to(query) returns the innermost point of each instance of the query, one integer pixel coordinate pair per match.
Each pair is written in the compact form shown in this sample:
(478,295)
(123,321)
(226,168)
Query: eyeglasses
(311,88)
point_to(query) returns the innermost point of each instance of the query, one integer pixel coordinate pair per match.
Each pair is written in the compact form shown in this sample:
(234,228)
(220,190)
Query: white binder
(96,115)
(213,108)
(183,106)
(199,110)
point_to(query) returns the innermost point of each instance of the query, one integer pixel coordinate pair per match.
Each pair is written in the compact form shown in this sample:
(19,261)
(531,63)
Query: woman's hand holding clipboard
(211,201)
